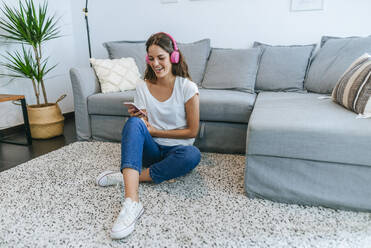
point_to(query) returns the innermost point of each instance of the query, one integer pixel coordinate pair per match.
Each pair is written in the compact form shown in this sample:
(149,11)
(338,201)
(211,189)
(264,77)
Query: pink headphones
(174,56)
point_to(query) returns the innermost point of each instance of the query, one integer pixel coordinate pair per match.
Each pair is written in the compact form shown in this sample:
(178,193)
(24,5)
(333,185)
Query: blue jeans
(165,162)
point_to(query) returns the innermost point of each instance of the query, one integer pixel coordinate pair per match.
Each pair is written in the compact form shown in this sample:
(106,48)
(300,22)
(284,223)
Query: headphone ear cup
(174,57)
(147,59)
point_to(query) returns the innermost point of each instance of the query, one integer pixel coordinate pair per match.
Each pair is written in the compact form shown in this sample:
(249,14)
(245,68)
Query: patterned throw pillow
(116,75)
(353,90)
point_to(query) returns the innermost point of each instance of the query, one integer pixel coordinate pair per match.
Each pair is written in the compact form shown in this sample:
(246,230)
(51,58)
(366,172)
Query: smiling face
(159,60)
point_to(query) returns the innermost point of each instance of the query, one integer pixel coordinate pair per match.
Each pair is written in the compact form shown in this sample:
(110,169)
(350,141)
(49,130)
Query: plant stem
(38,59)
(40,51)
(37,94)
(38,88)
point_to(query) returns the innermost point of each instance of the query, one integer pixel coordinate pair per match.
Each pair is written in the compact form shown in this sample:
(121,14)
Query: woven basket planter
(46,120)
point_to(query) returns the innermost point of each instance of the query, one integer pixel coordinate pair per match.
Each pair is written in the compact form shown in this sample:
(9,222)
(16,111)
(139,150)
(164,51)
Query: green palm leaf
(28,25)
(20,64)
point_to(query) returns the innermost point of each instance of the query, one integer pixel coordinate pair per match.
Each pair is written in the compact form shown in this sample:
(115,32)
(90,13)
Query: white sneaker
(125,222)
(108,178)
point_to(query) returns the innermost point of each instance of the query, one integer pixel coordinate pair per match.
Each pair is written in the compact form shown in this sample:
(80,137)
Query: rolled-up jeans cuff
(137,168)
(154,179)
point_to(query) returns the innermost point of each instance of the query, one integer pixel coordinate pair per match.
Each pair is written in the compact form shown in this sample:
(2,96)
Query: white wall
(228,23)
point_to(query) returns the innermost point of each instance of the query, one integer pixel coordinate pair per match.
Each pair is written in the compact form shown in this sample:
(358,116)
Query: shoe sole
(127,231)
(101,176)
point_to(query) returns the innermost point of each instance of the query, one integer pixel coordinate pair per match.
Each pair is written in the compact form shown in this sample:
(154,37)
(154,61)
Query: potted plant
(30,27)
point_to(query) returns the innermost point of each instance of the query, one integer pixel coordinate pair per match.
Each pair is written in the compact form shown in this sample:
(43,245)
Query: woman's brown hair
(162,40)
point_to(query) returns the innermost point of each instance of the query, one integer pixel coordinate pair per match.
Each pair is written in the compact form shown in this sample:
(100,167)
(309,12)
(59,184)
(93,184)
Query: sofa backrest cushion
(334,57)
(324,39)
(283,68)
(124,49)
(195,54)
(353,90)
(232,69)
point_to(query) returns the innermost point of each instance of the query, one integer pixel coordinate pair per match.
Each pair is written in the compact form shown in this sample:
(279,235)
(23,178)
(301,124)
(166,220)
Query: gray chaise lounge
(306,150)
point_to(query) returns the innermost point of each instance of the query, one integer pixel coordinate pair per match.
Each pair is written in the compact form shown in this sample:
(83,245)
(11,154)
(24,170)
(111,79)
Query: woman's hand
(134,113)
(151,129)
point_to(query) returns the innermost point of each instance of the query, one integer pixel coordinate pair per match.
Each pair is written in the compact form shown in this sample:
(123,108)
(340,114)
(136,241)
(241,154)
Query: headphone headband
(172,40)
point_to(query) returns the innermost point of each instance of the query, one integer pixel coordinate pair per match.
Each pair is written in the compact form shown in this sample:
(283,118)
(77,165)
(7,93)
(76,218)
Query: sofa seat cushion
(301,126)
(226,105)
(215,105)
(110,103)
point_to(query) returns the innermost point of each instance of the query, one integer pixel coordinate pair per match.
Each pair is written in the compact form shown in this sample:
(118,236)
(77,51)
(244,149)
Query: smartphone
(131,104)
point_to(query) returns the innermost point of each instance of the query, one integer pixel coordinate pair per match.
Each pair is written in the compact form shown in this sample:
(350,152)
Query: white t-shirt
(170,114)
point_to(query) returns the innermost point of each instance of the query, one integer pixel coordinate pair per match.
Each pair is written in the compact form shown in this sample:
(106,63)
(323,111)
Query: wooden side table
(5,98)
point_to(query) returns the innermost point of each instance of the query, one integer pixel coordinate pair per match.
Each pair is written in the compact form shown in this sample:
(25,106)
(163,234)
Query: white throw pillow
(116,75)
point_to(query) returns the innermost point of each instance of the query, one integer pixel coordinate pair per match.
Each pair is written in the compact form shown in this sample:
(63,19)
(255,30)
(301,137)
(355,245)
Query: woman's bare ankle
(134,198)
(144,176)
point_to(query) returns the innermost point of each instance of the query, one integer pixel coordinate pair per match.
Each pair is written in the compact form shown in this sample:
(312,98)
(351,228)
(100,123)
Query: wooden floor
(13,155)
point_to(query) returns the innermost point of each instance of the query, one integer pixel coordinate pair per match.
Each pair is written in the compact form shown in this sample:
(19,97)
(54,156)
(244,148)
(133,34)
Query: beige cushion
(353,89)
(116,75)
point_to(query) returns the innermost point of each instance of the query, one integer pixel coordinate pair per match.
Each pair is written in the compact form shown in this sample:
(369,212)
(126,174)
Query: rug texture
(52,201)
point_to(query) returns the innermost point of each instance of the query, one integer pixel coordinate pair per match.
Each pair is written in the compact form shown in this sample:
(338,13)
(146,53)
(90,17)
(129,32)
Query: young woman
(162,139)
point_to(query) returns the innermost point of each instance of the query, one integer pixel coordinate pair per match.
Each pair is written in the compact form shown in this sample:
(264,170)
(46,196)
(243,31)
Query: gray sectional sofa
(266,102)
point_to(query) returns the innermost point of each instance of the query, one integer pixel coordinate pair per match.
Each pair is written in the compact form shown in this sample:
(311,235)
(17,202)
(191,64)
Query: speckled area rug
(52,201)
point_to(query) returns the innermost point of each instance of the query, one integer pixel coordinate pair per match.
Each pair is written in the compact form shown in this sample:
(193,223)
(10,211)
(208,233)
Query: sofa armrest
(84,84)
